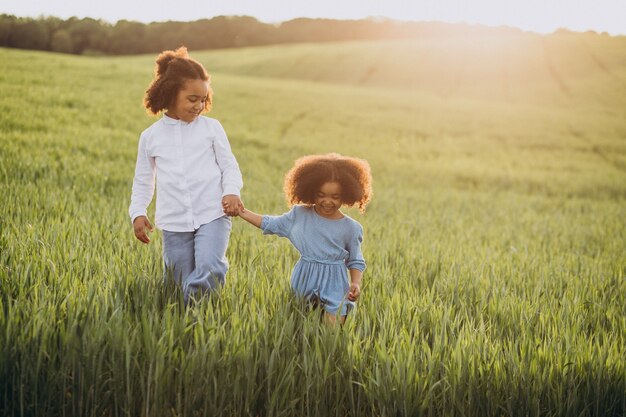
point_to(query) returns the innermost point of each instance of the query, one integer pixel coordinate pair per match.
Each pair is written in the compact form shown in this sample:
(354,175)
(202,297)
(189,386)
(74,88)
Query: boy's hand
(355,292)
(140,224)
(232,205)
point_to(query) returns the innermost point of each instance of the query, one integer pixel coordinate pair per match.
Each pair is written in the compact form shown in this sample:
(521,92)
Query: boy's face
(190,100)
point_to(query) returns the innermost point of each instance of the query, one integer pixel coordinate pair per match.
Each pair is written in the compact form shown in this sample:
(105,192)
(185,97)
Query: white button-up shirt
(193,168)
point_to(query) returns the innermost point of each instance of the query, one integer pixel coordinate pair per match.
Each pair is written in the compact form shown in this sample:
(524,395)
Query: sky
(543,16)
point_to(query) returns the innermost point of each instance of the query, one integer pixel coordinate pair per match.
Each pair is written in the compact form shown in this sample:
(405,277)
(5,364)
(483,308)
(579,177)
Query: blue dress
(328,248)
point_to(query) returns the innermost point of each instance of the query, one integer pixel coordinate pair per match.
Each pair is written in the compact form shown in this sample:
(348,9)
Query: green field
(495,241)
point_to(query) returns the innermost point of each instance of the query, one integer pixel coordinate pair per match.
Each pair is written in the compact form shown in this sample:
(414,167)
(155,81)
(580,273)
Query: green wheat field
(495,240)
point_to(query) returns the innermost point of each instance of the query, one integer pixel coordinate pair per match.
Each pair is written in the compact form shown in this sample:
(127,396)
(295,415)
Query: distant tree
(87,34)
(29,34)
(221,32)
(160,36)
(62,41)
(192,35)
(563,31)
(52,25)
(6,26)
(246,31)
(92,36)
(127,38)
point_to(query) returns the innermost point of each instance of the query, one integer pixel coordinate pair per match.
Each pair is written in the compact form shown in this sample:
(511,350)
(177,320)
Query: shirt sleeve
(143,183)
(279,225)
(355,256)
(231,175)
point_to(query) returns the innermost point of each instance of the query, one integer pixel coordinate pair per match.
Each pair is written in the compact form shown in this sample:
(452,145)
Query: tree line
(91,36)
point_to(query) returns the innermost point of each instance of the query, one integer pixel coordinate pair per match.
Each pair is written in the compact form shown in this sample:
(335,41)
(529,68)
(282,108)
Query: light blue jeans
(197,260)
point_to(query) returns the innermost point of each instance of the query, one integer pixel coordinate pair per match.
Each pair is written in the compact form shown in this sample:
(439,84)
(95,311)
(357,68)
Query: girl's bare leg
(332,319)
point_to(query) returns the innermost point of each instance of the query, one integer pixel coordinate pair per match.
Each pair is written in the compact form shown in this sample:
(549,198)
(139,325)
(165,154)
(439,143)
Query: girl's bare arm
(355,284)
(251,217)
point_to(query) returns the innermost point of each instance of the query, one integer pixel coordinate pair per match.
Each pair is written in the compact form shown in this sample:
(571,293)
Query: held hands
(140,224)
(232,205)
(355,291)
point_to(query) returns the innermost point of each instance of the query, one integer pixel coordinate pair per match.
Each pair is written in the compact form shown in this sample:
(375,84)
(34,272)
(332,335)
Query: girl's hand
(355,291)
(232,205)
(140,224)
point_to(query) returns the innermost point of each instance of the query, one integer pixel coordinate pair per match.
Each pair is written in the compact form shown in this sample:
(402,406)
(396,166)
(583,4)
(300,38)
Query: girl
(329,242)
(189,158)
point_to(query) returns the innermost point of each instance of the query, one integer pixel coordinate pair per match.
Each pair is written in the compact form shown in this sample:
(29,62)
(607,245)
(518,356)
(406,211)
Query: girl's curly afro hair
(172,69)
(310,172)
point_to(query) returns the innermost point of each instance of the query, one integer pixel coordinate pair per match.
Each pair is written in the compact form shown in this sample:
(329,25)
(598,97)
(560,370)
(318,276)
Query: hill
(509,67)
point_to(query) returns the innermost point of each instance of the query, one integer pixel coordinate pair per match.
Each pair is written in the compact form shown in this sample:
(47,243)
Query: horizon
(531,16)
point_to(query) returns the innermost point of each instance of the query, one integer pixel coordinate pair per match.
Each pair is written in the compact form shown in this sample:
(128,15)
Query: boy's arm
(251,217)
(231,175)
(142,191)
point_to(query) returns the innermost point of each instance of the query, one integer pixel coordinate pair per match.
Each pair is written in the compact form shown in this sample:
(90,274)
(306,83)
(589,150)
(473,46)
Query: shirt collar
(169,120)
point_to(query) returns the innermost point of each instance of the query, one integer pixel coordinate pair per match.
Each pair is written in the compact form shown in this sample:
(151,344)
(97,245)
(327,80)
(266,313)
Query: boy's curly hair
(172,69)
(310,172)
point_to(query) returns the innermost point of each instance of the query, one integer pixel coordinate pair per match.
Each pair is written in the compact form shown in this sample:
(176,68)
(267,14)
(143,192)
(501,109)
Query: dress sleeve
(279,225)
(355,256)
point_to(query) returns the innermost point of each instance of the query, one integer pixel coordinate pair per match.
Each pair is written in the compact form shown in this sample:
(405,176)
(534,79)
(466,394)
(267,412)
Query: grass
(495,241)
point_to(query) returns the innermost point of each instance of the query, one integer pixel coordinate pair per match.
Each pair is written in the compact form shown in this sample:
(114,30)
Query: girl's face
(328,200)
(189,101)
